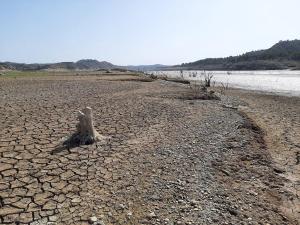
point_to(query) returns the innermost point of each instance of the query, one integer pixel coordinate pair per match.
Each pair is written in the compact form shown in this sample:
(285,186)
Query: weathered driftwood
(86,133)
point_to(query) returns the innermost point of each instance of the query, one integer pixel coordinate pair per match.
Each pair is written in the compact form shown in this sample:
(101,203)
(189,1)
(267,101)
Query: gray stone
(93,219)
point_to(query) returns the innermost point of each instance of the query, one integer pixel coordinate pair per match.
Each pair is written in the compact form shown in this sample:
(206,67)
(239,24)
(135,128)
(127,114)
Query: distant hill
(147,67)
(94,64)
(84,64)
(283,55)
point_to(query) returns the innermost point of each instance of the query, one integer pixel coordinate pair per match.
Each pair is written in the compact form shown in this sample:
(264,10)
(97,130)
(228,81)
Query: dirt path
(168,161)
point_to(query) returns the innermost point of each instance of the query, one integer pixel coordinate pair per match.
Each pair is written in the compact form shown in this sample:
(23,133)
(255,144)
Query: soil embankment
(279,119)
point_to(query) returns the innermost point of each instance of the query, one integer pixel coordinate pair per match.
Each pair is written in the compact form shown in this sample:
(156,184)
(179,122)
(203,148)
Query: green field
(15,74)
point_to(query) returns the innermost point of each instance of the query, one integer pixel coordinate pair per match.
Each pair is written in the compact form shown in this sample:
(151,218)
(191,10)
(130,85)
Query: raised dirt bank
(279,119)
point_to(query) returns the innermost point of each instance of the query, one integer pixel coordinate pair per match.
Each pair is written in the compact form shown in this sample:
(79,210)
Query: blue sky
(142,31)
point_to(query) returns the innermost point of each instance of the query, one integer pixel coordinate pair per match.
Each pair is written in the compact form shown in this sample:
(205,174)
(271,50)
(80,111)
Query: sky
(137,32)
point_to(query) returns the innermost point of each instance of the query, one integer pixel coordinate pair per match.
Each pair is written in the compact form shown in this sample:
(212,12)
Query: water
(284,82)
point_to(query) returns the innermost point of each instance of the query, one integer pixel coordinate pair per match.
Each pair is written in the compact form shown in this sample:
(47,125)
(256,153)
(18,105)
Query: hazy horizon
(139,33)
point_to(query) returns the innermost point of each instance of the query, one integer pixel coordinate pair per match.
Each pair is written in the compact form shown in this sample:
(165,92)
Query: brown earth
(279,118)
(167,160)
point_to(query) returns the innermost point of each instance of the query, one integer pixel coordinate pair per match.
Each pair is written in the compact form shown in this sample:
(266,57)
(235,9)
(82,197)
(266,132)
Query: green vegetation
(15,74)
(103,73)
(283,55)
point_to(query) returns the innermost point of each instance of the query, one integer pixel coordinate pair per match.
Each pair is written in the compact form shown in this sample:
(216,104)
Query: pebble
(151,215)
(100,222)
(93,219)
(121,206)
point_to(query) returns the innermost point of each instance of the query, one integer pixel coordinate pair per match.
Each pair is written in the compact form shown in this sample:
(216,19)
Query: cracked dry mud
(168,161)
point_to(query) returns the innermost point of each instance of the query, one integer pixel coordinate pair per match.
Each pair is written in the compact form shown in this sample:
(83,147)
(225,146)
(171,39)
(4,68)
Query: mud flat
(168,160)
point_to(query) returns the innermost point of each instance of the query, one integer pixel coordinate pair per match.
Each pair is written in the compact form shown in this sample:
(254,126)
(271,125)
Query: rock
(278,170)
(225,172)
(232,211)
(242,108)
(166,220)
(151,215)
(93,219)
(122,206)
(194,202)
(100,222)
(229,106)
(233,144)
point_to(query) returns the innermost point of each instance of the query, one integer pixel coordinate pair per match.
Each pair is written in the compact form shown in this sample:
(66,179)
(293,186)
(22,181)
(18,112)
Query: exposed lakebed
(284,82)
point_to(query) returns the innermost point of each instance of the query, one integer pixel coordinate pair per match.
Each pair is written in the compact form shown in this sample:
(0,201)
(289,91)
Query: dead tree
(86,133)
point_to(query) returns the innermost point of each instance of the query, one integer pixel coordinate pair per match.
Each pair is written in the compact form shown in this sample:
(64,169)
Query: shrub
(152,76)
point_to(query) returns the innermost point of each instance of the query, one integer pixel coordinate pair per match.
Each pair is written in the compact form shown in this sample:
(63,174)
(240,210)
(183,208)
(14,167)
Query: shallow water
(282,82)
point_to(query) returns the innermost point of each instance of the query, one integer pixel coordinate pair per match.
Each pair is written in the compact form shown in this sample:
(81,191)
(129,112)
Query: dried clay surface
(167,161)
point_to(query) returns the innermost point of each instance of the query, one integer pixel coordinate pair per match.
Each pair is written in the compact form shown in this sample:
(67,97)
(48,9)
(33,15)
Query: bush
(199,91)
(152,76)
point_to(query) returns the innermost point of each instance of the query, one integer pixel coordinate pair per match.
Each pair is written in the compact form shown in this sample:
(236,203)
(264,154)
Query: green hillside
(283,55)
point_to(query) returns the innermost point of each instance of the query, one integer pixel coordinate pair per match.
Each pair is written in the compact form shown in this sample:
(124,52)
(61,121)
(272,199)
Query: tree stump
(86,133)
